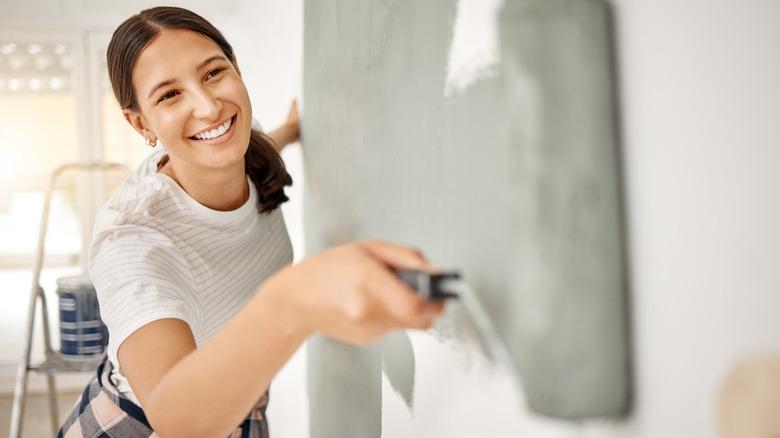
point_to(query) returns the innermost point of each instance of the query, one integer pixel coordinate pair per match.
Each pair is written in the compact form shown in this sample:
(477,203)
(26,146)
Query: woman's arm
(206,392)
(348,293)
(289,132)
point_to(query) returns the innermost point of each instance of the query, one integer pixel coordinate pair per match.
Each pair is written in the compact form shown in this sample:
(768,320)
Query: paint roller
(450,285)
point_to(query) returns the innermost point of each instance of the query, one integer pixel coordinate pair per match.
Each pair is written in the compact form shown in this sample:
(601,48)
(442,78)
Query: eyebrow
(201,66)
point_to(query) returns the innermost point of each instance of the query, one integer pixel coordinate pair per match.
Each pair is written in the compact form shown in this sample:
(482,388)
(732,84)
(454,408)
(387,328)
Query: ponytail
(267,171)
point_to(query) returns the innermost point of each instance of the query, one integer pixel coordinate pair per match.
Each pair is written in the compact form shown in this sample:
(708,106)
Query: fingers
(397,256)
(293,114)
(425,319)
(352,293)
(401,303)
(404,303)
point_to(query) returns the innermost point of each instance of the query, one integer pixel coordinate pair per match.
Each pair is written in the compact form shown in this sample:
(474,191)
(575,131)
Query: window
(56,107)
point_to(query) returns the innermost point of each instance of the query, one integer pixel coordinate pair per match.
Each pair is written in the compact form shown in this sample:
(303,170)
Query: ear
(138,122)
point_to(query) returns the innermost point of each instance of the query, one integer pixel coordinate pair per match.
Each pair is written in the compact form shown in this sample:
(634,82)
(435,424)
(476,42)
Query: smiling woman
(198,74)
(186,100)
(190,255)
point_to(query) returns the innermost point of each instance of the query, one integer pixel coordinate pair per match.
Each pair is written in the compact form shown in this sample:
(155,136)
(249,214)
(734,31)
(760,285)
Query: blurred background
(56,107)
(699,112)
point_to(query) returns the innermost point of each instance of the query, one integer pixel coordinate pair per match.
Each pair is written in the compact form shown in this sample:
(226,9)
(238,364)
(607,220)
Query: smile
(214,133)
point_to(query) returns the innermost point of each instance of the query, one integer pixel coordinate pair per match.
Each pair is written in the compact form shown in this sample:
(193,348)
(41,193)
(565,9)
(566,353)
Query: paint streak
(398,365)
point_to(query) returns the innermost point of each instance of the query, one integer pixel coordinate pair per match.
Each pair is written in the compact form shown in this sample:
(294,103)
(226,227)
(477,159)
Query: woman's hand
(293,123)
(350,292)
(289,132)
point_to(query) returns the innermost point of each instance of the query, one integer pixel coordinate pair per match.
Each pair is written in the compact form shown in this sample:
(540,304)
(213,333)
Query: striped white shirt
(157,253)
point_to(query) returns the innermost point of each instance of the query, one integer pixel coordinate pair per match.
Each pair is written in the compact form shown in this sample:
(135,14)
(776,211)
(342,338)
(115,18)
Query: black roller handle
(429,286)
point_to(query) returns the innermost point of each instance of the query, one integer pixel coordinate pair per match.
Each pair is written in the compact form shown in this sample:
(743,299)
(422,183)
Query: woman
(190,257)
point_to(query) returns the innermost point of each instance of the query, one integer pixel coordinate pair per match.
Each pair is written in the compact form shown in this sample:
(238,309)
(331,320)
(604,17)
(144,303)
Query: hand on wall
(289,132)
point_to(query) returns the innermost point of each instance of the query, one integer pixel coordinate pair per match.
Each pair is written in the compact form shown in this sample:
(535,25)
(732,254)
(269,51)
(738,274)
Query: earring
(150,143)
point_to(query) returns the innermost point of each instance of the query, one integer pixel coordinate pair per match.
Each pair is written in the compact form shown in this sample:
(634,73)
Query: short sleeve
(140,277)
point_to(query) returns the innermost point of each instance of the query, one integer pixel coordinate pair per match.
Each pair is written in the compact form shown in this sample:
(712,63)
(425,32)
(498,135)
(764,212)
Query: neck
(223,190)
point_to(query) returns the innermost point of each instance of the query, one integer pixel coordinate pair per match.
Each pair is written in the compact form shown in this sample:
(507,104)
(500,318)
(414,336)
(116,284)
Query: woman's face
(193,100)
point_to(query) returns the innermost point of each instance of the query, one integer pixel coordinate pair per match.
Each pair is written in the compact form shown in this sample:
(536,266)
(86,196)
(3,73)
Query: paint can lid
(75,283)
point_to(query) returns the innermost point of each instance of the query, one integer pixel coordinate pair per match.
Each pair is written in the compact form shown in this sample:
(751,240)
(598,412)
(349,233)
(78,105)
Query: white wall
(700,101)
(267,38)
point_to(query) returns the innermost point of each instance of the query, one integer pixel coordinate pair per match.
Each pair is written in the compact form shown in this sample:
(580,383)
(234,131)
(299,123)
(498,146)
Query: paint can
(82,333)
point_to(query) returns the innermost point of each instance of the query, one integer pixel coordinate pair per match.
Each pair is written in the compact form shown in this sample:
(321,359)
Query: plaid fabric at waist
(103,412)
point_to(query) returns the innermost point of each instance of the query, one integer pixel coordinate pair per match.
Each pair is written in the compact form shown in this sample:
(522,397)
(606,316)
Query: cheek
(171,123)
(242,99)
(239,91)
(249,106)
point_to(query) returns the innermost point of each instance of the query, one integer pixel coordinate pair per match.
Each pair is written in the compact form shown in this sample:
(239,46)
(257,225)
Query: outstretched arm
(349,293)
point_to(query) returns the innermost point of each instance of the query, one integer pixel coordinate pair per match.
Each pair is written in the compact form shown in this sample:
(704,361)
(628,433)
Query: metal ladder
(52,363)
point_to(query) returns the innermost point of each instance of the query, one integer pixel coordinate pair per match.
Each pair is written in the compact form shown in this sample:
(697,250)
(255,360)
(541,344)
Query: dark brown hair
(263,163)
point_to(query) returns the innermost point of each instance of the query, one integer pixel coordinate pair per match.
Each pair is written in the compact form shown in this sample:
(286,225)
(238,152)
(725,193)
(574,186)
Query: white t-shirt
(157,253)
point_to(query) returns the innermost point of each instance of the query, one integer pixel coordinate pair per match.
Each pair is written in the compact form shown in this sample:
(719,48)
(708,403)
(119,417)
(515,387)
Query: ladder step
(55,363)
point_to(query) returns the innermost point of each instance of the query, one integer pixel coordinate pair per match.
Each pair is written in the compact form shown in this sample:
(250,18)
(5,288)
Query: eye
(214,72)
(168,95)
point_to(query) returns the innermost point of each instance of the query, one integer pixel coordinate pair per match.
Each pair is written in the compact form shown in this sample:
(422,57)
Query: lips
(214,132)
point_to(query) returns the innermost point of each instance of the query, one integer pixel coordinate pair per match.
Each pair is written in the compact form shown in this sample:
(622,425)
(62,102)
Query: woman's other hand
(293,123)
(351,293)
(289,132)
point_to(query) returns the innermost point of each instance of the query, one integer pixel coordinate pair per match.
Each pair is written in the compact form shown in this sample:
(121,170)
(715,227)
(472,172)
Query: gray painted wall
(513,179)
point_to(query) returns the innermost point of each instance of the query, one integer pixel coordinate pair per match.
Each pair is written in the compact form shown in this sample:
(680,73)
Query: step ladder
(52,363)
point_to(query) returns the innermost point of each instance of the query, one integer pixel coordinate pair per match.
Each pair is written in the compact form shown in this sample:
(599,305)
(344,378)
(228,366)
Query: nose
(206,105)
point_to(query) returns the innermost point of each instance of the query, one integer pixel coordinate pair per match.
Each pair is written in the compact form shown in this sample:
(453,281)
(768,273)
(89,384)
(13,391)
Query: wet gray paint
(514,181)
(566,275)
(398,365)
(345,389)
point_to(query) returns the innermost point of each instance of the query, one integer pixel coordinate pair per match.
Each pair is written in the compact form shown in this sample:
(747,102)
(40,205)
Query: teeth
(214,133)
